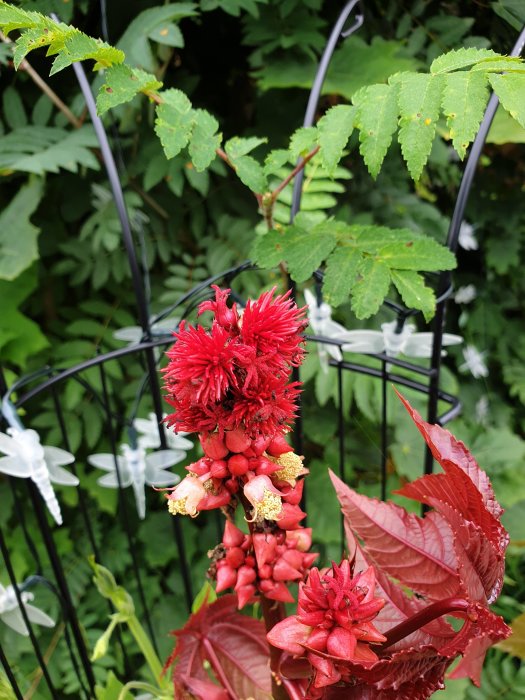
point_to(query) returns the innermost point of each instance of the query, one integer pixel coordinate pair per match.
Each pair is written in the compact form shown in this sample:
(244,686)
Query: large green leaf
(18,236)
(122,84)
(334,130)
(377,121)
(465,97)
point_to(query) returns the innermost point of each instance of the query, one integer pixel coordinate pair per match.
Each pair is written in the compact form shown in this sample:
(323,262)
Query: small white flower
(467,237)
(27,458)
(465,295)
(149,437)
(137,469)
(474,362)
(482,410)
(11,614)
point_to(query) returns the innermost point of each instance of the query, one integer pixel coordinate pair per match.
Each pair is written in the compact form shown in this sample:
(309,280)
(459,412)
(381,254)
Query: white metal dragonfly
(133,334)
(27,458)
(149,437)
(11,614)
(136,469)
(387,340)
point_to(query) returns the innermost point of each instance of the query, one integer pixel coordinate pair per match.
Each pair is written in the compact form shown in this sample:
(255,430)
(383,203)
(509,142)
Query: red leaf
(234,645)
(449,451)
(419,552)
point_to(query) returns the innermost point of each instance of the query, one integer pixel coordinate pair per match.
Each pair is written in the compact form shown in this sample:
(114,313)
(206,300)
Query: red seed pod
(283,571)
(219,469)
(300,539)
(245,594)
(235,557)
(265,467)
(276,590)
(213,445)
(293,557)
(226,576)
(259,444)
(237,440)
(295,494)
(200,467)
(264,546)
(265,571)
(245,575)
(308,559)
(278,446)
(233,537)
(238,465)
(290,516)
(232,485)
(249,560)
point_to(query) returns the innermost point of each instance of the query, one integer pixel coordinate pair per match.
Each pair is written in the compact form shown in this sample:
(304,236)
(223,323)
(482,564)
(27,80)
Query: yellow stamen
(270,506)
(292,466)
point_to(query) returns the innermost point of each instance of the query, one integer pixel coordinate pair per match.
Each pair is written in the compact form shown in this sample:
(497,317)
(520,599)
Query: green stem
(146,647)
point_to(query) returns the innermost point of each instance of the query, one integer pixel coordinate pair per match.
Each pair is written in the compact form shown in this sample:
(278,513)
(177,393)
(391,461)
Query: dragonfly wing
(110,481)
(62,476)
(38,616)
(164,458)
(14,466)
(105,461)
(58,456)
(419,345)
(177,441)
(8,446)
(451,339)
(363,341)
(14,620)
(130,334)
(159,477)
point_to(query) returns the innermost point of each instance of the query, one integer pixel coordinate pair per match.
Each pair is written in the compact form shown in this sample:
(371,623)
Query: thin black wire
(384,428)
(10,676)
(341,431)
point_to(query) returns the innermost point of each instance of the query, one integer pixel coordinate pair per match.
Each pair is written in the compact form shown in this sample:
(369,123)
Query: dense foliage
(64,276)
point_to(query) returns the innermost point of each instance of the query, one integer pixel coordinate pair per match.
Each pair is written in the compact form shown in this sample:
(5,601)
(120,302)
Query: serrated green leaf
(174,122)
(80,47)
(275,160)
(510,64)
(334,130)
(419,104)
(36,38)
(306,250)
(460,58)
(303,140)
(414,293)
(18,236)
(122,84)
(237,147)
(464,101)
(510,89)
(168,34)
(422,254)
(340,274)
(250,173)
(371,288)
(376,120)
(204,139)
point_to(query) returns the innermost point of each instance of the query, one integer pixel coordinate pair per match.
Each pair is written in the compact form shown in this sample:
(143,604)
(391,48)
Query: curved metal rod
(337,32)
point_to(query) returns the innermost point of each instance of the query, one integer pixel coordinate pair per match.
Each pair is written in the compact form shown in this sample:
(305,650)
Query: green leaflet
(510,89)
(238,147)
(459,59)
(414,293)
(419,106)
(303,140)
(371,287)
(464,100)
(334,130)
(376,120)
(204,140)
(122,84)
(174,122)
(18,236)
(340,274)
(423,254)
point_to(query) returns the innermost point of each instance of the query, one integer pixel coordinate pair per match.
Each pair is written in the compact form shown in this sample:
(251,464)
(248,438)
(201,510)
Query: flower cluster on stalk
(231,384)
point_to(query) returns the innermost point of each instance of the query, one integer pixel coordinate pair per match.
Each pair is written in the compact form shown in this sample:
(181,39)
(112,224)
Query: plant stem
(423,617)
(277,191)
(146,648)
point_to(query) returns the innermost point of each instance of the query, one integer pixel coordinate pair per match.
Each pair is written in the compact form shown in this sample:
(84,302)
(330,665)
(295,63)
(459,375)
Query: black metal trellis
(51,382)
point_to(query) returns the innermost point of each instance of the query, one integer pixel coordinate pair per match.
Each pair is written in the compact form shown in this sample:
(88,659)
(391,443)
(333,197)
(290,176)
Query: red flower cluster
(236,374)
(333,622)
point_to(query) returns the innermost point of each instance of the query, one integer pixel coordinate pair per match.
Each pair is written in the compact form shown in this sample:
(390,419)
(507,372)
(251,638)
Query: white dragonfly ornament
(11,614)
(134,334)
(27,458)
(136,469)
(364,341)
(149,438)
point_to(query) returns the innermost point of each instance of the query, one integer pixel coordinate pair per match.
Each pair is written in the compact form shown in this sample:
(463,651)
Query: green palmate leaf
(303,140)
(334,130)
(464,100)
(204,139)
(122,84)
(174,122)
(423,254)
(510,89)
(419,106)
(414,293)
(237,147)
(371,287)
(340,274)
(460,58)
(377,121)
(18,236)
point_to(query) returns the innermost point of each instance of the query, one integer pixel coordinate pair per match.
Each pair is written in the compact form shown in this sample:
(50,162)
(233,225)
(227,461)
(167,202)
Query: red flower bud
(283,571)
(213,446)
(235,557)
(237,440)
(290,516)
(226,576)
(245,575)
(245,594)
(264,546)
(265,571)
(259,444)
(238,465)
(232,485)
(233,537)
(276,590)
(219,469)
(300,539)
(317,640)
(278,446)
(263,466)
(295,494)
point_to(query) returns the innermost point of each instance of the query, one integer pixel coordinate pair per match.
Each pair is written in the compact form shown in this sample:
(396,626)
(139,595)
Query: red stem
(277,191)
(423,617)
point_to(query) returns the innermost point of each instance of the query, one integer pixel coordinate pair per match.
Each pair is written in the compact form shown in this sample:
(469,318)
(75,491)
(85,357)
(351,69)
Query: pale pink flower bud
(186,496)
(264,497)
